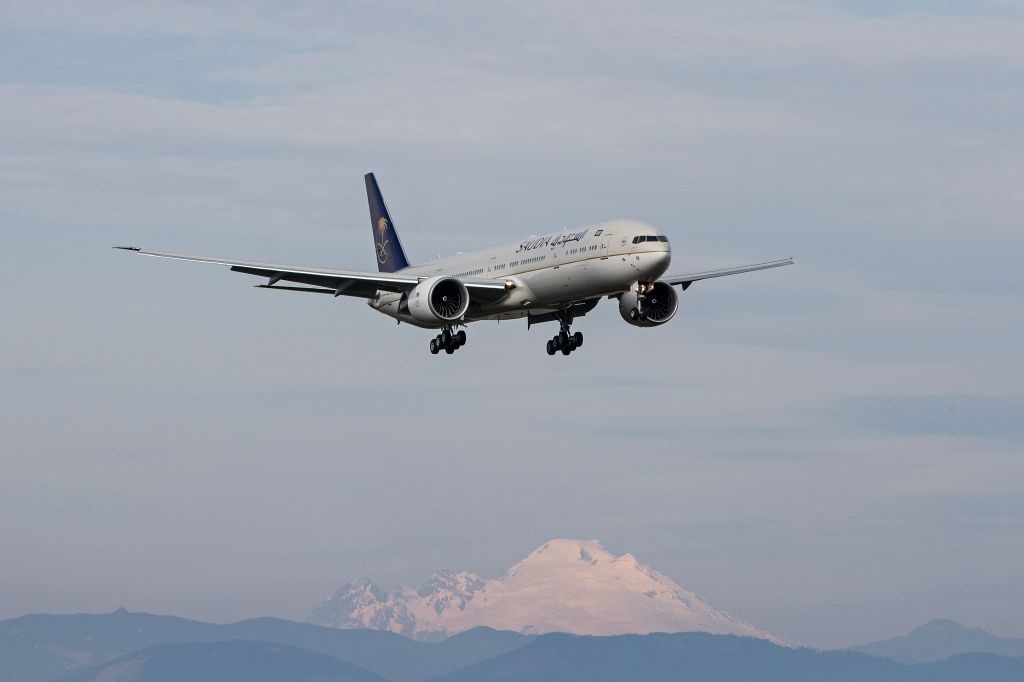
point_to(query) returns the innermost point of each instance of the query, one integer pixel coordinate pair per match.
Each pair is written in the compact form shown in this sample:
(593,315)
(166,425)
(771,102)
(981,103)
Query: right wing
(686,280)
(337,282)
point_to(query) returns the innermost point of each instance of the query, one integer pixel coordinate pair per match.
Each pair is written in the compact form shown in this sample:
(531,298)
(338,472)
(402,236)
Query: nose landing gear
(639,313)
(448,340)
(565,341)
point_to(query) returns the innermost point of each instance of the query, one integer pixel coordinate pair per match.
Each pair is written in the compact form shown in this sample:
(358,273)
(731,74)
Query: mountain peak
(939,625)
(565,549)
(562,555)
(559,544)
(565,585)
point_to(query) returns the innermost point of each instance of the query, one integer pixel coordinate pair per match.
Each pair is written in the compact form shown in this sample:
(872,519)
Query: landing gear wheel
(634,314)
(449,350)
(565,340)
(446,338)
(434,347)
(460,337)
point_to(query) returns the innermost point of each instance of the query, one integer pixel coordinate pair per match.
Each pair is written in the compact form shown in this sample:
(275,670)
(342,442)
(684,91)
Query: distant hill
(698,656)
(941,639)
(44,647)
(139,647)
(564,585)
(220,661)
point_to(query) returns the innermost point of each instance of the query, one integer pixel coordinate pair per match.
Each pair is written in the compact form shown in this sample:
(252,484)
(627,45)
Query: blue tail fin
(390,254)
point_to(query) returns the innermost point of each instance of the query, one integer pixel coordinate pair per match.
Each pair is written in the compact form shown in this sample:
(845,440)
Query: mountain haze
(573,586)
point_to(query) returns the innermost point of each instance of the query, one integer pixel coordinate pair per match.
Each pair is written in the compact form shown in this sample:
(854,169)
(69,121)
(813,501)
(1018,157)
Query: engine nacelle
(438,300)
(660,305)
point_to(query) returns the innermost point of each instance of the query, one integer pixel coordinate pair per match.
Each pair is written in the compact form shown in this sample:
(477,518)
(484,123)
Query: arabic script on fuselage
(552,241)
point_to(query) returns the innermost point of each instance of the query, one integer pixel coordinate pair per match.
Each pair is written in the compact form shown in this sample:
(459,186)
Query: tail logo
(382,241)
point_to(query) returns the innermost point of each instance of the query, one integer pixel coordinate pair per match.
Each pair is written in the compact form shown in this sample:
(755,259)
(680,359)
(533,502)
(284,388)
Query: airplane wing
(324,281)
(686,280)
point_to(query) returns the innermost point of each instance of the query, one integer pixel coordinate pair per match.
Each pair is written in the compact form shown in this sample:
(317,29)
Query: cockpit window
(662,238)
(649,238)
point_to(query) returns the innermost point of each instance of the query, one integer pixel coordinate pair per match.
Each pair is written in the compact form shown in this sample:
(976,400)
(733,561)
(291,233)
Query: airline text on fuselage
(531,244)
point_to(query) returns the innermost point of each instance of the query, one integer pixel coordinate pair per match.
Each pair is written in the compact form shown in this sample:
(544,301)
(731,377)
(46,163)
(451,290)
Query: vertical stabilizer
(390,254)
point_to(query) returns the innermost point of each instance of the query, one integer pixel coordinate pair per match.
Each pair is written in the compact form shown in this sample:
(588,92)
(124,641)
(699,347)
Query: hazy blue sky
(833,452)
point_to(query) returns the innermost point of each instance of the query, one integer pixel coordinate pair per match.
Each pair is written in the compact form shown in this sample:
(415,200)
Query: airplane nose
(658,263)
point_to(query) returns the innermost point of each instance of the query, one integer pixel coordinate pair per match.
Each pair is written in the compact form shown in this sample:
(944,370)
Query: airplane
(554,277)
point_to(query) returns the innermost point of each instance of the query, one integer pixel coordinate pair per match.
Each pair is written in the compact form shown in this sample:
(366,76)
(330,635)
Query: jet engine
(659,306)
(438,300)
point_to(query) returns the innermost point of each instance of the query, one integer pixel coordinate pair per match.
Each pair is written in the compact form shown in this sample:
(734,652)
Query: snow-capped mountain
(574,586)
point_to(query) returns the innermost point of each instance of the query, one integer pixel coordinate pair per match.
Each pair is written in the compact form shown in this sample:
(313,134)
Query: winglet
(128,248)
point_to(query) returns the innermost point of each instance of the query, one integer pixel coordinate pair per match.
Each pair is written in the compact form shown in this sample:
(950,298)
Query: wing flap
(312,290)
(330,283)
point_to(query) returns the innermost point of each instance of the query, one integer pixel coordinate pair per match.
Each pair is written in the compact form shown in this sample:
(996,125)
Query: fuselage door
(605,241)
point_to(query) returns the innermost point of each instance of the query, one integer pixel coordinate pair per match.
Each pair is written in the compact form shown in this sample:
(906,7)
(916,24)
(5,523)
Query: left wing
(686,280)
(337,282)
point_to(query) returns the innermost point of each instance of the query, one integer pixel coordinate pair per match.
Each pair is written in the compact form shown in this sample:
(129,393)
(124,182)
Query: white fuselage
(550,272)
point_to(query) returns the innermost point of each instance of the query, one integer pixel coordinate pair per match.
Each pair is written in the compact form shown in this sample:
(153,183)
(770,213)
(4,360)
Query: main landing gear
(565,341)
(448,340)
